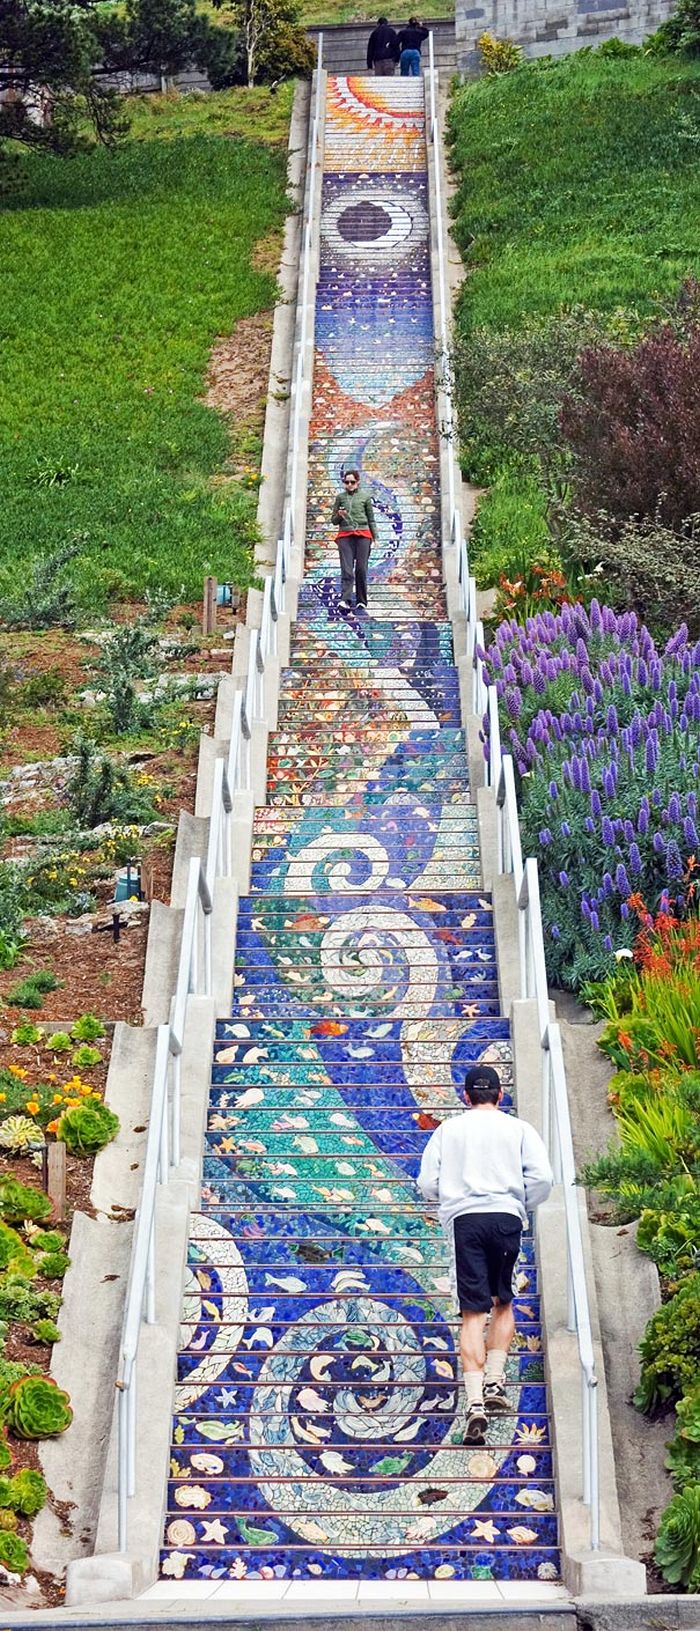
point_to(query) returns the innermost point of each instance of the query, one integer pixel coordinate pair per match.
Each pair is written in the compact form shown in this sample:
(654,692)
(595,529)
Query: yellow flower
(57,1098)
(3,1097)
(19,1072)
(72,1104)
(52,1126)
(85,1090)
(52,1077)
(33,1107)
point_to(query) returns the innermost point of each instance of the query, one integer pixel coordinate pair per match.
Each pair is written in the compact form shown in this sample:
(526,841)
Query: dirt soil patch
(238,370)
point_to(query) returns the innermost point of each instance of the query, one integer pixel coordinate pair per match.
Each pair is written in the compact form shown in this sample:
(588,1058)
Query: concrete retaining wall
(552,28)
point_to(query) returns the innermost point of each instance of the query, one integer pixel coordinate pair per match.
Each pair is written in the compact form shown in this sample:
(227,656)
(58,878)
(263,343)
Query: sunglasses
(350,481)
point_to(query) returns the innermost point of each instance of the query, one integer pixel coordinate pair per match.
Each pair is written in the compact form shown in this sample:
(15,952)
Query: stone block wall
(553,27)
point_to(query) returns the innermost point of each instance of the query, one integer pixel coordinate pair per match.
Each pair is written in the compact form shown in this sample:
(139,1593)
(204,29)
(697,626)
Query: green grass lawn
(119,270)
(318,12)
(579,184)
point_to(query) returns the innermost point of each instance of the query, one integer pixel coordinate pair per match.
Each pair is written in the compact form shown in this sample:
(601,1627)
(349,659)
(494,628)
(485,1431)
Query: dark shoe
(475,1425)
(361,605)
(495,1396)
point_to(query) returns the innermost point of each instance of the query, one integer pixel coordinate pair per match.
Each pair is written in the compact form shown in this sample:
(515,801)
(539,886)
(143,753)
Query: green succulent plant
(45,1331)
(48,1240)
(53,1265)
(670,1348)
(14,1254)
(87,1028)
(19,1135)
(8,1520)
(5,1451)
(59,1042)
(85,1057)
(87,1128)
(25,1034)
(27,1492)
(38,1408)
(20,1203)
(13,1553)
(678,1541)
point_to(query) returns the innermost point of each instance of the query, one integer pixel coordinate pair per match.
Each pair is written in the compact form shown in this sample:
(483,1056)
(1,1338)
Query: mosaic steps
(325,1082)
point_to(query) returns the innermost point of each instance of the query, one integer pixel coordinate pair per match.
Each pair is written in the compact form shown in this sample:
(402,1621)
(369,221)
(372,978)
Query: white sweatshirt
(485,1161)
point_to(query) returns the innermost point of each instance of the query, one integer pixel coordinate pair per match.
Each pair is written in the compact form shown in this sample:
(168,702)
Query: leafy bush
(46,689)
(10,949)
(633,424)
(38,1408)
(47,597)
(648,567)
(510,527)
(670,1349)
(24,1302)
(678,1541)
(20,1203)
(683,1458)
(101,790)
(13,1553)
(87,1128)
(87,1029)
(498,56)
(29,992)
(681,32)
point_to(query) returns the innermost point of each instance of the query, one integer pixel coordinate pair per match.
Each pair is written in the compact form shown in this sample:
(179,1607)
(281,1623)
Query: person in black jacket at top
(383,49)
(410,42)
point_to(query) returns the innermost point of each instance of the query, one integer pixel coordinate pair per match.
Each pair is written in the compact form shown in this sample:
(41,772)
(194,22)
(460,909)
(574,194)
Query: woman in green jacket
(353,514)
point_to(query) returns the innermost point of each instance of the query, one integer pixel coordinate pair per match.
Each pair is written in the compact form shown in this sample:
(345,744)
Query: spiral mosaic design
(317,1427)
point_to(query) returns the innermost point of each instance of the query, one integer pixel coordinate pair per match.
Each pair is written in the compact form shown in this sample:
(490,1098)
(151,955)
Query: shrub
(10,949)
(20,1203)
(87,1128)
(13,1553)
(286,52)
(87,1029)
(38,1408)
(47,598)
(47,689)
(29,992)
(681,32)
(498,56)
(649,568)
(677,1549)
(101,790)
(24,1302)
(670,1349)
(633,425)
(683,1458)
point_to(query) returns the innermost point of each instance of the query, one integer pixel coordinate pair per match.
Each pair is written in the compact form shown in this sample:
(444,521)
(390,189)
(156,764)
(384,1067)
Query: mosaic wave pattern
(318,1415)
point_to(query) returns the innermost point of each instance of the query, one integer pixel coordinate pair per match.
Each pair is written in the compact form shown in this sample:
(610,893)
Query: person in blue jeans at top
(410,42)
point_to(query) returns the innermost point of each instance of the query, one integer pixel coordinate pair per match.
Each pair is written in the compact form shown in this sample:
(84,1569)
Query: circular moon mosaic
(378,226)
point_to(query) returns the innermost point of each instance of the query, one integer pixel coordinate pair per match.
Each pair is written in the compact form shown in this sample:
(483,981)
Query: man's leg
(363,547)
(347,569)
(500,1335)
(405,69)
(415,65)
(473,1355)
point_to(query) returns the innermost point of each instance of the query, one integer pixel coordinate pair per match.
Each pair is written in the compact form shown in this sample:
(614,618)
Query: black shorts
(487,1246)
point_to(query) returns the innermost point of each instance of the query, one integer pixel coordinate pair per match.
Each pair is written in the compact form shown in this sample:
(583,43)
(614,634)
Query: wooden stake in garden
(209,606)
(56,1179)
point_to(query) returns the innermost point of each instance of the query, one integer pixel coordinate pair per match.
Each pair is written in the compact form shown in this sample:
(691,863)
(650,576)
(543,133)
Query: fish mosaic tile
(317,1428)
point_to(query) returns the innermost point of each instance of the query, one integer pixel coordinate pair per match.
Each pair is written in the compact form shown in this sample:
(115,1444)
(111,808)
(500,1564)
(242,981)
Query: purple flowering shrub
(604,730)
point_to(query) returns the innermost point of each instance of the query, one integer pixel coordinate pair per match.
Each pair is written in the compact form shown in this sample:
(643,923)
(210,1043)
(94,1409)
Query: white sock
(474,1387)
(495,1365)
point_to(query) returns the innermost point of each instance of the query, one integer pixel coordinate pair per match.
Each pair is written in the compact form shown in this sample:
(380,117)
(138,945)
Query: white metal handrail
(500,777)
(232,775)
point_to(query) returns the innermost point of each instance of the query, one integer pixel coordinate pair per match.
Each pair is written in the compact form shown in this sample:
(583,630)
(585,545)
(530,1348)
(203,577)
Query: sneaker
(475,1425)
(495,1396)
(361,606)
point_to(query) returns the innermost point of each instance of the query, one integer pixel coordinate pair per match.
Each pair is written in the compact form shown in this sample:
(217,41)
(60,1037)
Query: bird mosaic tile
(317,1428)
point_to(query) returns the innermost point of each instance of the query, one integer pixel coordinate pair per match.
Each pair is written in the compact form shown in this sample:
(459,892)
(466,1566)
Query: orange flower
(57,1098)
(33,1107)
(19,1072)
(625,1041)
(52,1126)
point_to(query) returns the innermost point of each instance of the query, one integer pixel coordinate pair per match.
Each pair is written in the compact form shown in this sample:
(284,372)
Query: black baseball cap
(482,1076)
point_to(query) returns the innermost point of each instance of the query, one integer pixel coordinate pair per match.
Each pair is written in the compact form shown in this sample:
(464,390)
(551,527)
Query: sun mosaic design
(317,1428)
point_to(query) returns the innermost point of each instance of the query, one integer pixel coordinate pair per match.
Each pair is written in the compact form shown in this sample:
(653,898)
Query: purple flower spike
(690,833)
(555,931)
(564,879)
(565,829)
(628,831)
(643,821)
(650,757)
(589,824)
(545,836)
(596,806)
(622,880)
(608,831)
(553,790)
(674,808)
(585,777)
(607,942)
(595,922)
(658,843)
(539,683)
(635,859)
(674,864)
(608,885)
(624,911)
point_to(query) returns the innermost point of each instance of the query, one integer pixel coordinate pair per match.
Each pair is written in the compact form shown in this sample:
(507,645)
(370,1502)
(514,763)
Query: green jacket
(357,512)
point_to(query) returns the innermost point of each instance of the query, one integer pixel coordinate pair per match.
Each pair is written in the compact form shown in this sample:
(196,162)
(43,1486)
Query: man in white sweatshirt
(486,1170)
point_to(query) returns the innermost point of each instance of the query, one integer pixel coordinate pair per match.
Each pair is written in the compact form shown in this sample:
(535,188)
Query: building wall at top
(551,28)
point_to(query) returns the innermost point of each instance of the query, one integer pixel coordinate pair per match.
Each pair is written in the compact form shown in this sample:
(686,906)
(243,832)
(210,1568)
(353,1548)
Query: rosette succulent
(38,1408)
(678,1541)
(88,1127)
(19,1135)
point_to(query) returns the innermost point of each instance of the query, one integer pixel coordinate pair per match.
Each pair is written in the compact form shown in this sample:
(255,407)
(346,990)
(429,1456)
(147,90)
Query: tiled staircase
(318,1417)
